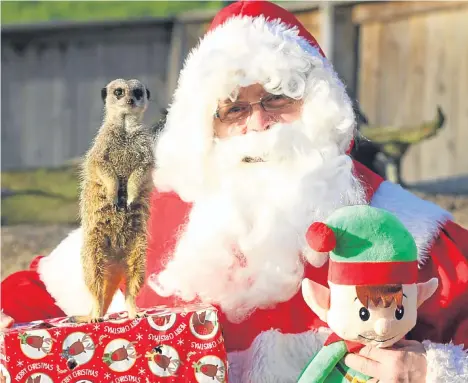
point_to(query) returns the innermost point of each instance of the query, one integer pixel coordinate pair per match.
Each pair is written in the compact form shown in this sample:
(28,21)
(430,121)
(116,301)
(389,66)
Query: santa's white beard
(243,246)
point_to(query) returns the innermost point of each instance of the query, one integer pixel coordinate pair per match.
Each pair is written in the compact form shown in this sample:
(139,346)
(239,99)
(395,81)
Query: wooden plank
(73,68)
(11,117)
(437,153)
(416,108)
(385,11)
(370,71)
(87,95)
(57,130)
(345,52)
(393,81)
(311,22)
(175,58)
(327,21)
(460,46)
(33,122)
(156,69)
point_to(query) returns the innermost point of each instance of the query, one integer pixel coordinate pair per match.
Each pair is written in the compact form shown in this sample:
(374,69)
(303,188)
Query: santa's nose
(258,120)
(382,326)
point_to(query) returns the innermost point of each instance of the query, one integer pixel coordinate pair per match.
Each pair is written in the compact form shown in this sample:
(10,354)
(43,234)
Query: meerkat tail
(135,276)
(101,279)
(114,276)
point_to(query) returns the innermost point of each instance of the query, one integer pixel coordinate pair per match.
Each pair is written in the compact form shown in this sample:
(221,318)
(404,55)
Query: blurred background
(405,64)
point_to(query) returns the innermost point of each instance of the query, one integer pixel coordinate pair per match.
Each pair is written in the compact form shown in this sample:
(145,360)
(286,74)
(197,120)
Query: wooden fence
(51,81)
(399,59)
(413,57)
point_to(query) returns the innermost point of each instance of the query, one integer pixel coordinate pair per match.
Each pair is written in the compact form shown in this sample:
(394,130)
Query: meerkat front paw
(113,198)
(115,202)
(132,312)
(132,309)
(130,200)
(82,319)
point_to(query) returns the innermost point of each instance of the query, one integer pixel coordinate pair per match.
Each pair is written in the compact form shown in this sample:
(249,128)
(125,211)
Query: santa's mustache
(278,143)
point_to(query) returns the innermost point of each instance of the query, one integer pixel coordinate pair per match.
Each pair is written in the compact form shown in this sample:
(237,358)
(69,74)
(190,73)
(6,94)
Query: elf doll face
(373,315)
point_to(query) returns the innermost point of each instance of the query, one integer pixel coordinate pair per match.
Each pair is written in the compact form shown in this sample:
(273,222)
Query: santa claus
(255,149)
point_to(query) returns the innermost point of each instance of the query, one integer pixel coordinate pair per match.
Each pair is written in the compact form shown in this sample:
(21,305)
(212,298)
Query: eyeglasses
(240,110)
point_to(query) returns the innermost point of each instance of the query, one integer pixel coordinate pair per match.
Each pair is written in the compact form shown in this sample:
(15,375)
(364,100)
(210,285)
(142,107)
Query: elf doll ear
(321,240)
(317,298)
(426,289)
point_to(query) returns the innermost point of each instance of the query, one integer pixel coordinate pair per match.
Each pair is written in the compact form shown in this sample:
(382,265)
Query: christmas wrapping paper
(169,345)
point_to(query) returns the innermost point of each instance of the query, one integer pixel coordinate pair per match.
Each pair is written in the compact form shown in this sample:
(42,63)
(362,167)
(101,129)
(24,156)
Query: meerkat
(116,182)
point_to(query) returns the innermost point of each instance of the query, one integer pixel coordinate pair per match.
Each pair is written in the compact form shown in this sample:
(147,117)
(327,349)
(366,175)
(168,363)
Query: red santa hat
(263,8)
(248,42)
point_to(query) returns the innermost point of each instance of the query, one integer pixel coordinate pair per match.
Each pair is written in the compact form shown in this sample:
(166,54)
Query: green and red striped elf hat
(367,246)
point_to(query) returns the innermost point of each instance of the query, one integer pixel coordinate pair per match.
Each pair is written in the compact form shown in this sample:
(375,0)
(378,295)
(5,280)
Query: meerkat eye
(119,92)
(138,93)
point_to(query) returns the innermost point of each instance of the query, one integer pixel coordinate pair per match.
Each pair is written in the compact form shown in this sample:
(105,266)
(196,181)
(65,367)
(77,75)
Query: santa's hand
(5,321)
(405,361)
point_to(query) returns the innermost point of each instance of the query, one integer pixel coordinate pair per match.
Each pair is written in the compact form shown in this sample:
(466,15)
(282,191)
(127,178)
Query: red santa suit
(271,345)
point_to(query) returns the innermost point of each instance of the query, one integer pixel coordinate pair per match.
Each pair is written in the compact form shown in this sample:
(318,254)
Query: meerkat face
(126,96)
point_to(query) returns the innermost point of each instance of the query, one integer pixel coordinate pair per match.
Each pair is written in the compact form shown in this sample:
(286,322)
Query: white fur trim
(274,357)
(62,274)
(240,52)
(422,218)
(446,363)
(315,258)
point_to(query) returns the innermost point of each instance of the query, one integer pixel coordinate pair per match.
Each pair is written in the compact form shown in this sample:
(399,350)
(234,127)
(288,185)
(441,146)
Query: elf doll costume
(374,291)
(274,344)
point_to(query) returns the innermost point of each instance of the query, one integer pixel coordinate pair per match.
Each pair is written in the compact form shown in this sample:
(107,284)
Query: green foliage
(41,196)
(18,12)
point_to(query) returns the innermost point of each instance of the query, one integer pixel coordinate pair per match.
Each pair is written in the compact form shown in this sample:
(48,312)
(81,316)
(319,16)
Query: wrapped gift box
(168,345)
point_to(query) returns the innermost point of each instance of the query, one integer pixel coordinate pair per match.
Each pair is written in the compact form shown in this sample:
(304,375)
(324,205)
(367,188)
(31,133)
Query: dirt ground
(457,205)
(22,242)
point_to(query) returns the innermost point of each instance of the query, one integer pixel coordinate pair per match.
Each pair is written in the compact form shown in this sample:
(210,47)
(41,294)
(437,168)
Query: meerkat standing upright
(114,200)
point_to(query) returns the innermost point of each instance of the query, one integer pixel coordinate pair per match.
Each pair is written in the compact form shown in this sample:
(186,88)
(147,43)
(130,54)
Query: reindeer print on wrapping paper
(166,363)
(78,347)
(120,354)
(36,341)
(211,370)
(37,379)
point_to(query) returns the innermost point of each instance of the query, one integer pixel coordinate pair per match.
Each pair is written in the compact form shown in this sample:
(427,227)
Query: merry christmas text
(82,373)
(122,329)
(206,346)
(171,335)
(127,378)
(32,367)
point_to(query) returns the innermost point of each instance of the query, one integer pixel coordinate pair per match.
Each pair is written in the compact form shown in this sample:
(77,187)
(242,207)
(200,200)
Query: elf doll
(373,294)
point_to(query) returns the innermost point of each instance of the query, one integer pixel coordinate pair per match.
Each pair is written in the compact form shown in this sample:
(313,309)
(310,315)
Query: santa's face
(266,180)
(254,110)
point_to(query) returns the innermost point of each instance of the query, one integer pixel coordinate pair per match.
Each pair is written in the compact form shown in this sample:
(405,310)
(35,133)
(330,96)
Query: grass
(18,12)
(41,196)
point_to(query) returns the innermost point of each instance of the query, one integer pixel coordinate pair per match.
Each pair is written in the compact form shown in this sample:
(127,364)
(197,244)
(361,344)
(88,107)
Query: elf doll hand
(405,361)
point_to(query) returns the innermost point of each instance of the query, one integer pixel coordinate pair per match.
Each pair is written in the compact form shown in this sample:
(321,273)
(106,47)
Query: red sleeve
(25,298)
(444,317)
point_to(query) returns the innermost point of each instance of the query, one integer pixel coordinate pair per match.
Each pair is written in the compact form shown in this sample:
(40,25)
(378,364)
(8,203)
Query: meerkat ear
(148,94)
(104,94)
